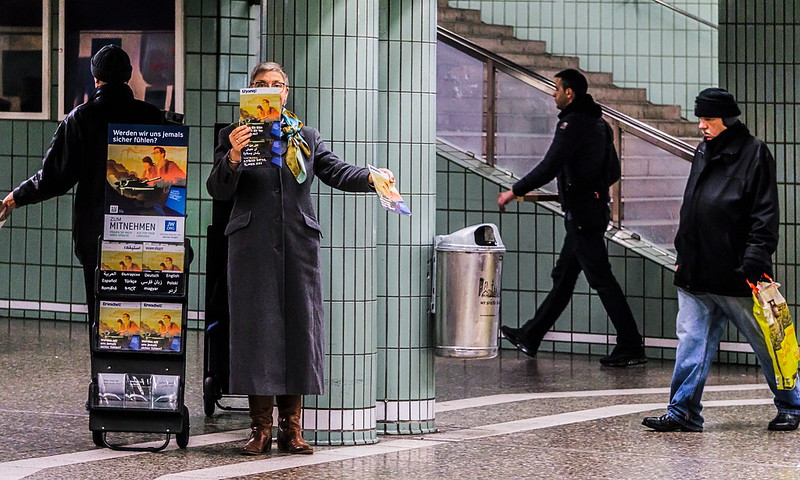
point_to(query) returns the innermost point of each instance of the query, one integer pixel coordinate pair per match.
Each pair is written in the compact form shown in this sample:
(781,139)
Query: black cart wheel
(209,396)
(97,438)
(182,437)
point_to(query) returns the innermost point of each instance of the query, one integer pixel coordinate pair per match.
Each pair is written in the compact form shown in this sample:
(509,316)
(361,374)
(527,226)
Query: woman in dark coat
(274,282)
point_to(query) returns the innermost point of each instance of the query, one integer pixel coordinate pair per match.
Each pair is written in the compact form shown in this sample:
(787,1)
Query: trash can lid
(484,237)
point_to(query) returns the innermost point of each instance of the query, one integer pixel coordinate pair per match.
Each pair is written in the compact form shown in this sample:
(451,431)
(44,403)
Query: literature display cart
(138,359)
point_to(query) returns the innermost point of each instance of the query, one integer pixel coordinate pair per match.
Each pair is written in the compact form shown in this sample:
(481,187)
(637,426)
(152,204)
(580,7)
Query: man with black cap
(727,234)
(78,155)
(583,159)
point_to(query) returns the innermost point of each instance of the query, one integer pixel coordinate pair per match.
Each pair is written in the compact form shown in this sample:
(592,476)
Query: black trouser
(583,252)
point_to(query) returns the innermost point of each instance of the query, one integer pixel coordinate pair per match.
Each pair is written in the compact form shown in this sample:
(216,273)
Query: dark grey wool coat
(274,282)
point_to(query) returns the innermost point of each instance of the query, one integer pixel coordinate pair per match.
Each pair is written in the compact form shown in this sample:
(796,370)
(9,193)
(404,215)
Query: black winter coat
(729,217)
(583,159)
(277,322)
(78,154)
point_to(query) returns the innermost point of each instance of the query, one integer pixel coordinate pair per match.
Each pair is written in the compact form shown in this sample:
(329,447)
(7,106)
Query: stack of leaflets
(136,390)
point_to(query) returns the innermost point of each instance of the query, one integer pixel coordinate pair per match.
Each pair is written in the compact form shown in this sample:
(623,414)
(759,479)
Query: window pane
(21,45)
(145,29)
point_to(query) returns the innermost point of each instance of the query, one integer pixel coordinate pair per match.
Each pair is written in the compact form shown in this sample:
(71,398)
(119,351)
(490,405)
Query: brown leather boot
(290,433)
(260,425)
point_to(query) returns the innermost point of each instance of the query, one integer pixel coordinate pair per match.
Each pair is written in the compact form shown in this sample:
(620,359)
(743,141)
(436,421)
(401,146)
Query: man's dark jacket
(729,218)
(78,154)
(583,159)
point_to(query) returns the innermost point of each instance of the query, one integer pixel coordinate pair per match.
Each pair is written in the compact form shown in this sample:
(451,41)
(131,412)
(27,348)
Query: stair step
(595,79)
(648,222)
(458,15)
(471,30)
(676,128)
(611,94)
(503,46)
(644,109)
(534,62)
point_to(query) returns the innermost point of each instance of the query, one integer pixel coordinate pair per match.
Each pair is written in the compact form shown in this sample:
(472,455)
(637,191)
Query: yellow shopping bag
(772,313)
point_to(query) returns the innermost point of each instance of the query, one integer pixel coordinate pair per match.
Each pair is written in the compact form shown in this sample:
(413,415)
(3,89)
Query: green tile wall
(760,64)
(642,43)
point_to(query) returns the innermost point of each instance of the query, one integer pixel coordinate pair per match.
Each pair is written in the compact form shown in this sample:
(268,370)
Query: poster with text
(146,170)
(143,228)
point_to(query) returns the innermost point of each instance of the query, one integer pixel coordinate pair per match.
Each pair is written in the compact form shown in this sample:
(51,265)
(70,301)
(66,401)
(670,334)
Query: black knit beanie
(716,103)
(112,65)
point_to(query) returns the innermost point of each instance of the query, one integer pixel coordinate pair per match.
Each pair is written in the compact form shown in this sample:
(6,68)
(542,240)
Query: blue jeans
(702,318)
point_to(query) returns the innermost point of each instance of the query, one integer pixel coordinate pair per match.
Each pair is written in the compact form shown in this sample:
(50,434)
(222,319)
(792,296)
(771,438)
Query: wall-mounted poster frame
(25,60)
(151,31)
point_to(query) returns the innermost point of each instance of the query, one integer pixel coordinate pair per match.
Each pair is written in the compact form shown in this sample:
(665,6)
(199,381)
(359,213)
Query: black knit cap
(716,103)
(112,65)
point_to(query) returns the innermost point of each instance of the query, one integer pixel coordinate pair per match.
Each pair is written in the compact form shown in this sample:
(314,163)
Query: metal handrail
(620,122)
(686,14)
(627,123)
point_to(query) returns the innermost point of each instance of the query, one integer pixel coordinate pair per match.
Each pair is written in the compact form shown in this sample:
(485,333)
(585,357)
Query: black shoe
(513,336)
(624,358)
(665,423)
(784,422)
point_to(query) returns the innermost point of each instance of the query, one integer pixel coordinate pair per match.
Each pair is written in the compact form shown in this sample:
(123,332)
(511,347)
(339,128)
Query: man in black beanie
(727,234)
(78,155)
(583,159)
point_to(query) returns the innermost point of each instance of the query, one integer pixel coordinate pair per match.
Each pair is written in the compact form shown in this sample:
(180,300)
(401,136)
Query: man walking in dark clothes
(583,160)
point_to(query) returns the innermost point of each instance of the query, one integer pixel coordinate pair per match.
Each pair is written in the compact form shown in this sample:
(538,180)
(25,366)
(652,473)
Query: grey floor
(558,416)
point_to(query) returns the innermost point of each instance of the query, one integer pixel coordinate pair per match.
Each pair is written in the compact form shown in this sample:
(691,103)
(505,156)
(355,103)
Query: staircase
(653,184)
(532,54)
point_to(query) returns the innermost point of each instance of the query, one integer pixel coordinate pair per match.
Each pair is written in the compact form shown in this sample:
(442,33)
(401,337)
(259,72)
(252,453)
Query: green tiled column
(329,50)
(407,132)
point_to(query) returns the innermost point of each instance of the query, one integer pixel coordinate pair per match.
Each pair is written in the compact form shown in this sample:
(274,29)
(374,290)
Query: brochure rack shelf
(138,377)
(138,359)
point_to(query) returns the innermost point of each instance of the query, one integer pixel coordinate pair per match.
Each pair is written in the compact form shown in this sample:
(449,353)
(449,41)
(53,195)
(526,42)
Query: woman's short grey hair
(269,67)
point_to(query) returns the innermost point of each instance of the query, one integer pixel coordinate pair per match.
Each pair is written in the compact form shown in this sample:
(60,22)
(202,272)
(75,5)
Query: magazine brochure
(387,193)
(3,217)
(118,326)
(121,256)
(258,108)
(166,257)
(162,325)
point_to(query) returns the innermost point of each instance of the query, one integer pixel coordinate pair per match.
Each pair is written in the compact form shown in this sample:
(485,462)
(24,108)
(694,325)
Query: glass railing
(505,114)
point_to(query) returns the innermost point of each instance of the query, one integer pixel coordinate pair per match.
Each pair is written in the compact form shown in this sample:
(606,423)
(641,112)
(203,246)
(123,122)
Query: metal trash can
(466,297)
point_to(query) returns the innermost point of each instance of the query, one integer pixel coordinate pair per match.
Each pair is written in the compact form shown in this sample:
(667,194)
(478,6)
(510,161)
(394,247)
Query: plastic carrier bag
(772,314)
